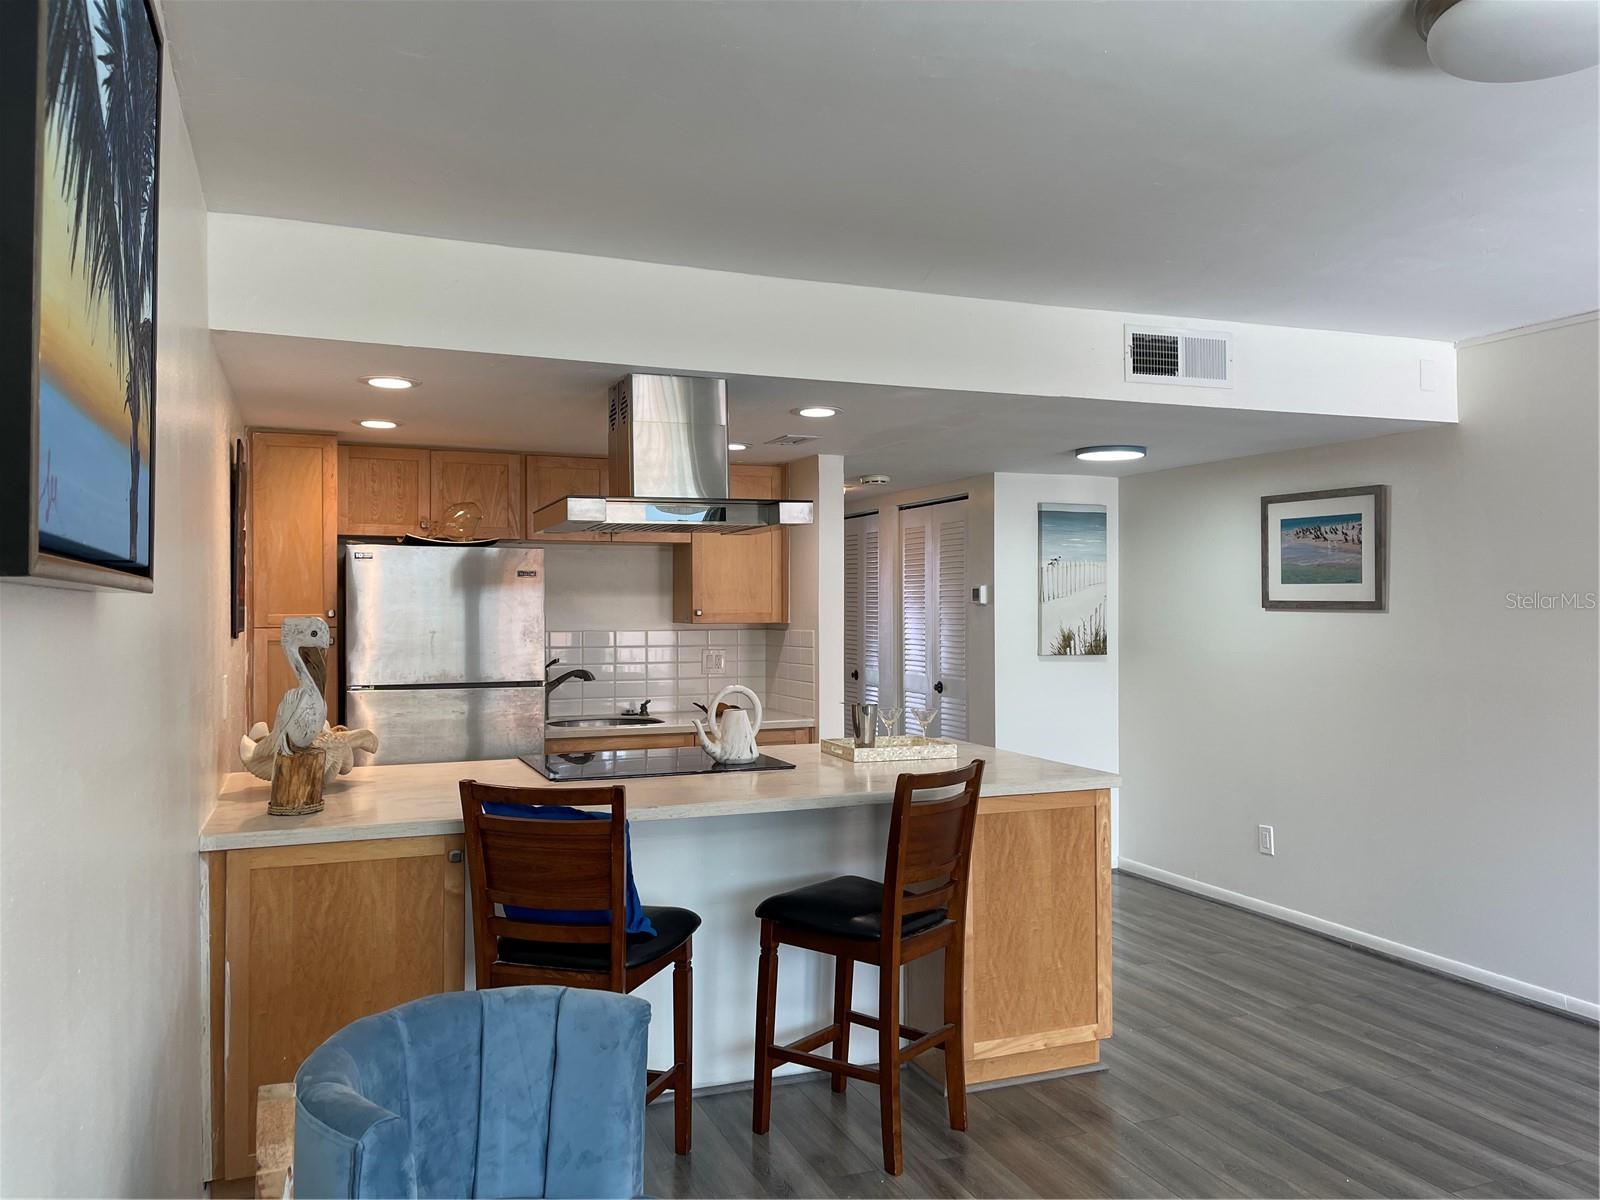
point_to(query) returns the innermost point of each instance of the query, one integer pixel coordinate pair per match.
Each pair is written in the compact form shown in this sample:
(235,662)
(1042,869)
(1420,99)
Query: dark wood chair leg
(766,1028)
(843,979)
(955,1055)
(889,1065)
(682,1051)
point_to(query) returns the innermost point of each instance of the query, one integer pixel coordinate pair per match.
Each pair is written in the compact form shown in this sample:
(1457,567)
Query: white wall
(323,281)
(1430,771)
(816,579)
(612,586)
(115,710)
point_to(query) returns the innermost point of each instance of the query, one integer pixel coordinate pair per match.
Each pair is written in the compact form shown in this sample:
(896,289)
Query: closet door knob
(939,687)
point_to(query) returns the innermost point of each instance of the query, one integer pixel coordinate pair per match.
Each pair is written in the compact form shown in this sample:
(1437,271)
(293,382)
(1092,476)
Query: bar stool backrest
(545,863)
(930,844)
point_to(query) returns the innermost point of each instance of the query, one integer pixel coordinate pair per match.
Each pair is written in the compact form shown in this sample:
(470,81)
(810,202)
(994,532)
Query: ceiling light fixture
(815,411)
(390,383)
(735,447)
(1109,453)
(378,423)
(1509,41)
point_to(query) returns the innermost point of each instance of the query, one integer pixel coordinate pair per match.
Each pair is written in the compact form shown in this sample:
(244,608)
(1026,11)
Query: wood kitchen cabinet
(492,481)
(305,939)
(384,491)
(736,578)
(553,476)
(293,526)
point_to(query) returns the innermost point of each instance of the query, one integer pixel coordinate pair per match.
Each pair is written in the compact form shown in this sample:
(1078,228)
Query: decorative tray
(894,748)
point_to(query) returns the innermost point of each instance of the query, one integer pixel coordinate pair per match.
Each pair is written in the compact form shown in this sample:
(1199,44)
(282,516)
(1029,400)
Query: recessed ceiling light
(378,423)
(735,447)
(1508,43)
(816,411)
(390,383)
(1109,453)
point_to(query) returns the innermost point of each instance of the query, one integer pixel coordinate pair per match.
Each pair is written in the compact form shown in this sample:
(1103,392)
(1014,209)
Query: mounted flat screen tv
(80,131)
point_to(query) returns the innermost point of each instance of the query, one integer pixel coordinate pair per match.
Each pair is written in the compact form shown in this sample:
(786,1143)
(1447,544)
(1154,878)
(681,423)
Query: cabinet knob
(454,856)
(331,612)
(699,612)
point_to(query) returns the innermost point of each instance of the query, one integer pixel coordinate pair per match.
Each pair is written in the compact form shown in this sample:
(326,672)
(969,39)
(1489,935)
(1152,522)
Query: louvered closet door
(861,609)
(933,612)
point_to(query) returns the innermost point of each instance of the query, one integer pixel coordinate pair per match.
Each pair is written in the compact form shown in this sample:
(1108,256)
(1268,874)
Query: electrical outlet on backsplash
(675,668)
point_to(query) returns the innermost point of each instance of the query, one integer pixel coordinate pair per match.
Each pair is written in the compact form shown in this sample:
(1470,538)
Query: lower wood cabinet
(1038,950)
(305,939)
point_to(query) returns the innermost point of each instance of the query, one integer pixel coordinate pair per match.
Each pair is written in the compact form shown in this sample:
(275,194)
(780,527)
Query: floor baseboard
(1515,989)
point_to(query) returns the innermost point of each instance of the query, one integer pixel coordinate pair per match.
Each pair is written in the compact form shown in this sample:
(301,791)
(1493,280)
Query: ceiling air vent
(1193,357)
(792,439)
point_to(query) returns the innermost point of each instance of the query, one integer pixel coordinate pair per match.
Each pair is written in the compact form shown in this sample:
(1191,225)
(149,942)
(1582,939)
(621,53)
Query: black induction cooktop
(642,764)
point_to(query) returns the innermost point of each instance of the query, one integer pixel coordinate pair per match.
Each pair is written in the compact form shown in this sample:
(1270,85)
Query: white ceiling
(1294,162)
(917,436)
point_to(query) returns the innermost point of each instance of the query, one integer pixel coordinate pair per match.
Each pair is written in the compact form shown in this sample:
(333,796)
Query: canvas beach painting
(1072,580)
(94,292)
(1324,550)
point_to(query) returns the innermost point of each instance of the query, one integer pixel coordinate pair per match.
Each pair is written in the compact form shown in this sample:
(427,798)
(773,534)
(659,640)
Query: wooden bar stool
(578,870)
(923,897)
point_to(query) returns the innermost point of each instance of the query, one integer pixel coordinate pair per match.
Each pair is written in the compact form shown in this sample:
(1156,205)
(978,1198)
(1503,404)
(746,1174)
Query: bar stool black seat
(533,863)
(923,896)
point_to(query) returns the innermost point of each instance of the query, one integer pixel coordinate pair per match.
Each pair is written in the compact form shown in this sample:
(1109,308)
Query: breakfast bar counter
(317,920)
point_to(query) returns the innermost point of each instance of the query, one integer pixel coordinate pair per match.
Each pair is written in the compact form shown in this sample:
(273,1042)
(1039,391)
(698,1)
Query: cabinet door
(293,526)
(552,476)
(383,492)
(736,578)
(318,936)
(493,481)
(271,676)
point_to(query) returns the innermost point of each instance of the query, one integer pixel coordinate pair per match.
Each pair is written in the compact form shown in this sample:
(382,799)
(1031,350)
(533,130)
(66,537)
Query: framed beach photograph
(1325,550)
(1072,580)
(80,131)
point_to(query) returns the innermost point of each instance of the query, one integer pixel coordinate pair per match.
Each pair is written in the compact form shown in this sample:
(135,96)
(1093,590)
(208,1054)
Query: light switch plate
(714,662)
(1264,839)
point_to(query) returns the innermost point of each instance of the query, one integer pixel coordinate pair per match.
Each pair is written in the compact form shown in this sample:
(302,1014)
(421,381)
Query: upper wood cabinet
(735,578)
(493,481)
(552,476)
(293,526)
(384,491)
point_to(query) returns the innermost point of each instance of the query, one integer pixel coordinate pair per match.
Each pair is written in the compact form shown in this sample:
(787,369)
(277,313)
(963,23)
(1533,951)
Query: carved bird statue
(303,711)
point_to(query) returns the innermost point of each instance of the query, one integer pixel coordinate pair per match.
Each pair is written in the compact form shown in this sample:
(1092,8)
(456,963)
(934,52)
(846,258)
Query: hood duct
(668,462)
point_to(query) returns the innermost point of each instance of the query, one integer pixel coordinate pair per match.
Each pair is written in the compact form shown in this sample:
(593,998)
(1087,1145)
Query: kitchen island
(316,920)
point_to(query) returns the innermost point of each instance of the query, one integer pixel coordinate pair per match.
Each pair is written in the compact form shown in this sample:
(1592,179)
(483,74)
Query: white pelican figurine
(303,711)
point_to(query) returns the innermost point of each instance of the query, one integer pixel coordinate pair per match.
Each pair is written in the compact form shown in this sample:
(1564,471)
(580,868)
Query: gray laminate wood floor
(1249,1059)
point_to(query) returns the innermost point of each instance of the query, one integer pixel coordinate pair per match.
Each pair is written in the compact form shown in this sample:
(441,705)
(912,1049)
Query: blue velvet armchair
(520,1091)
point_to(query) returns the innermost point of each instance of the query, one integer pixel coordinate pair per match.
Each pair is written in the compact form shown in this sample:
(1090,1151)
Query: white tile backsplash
(667,666)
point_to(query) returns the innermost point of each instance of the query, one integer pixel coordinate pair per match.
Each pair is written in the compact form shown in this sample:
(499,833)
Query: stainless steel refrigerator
(444,650)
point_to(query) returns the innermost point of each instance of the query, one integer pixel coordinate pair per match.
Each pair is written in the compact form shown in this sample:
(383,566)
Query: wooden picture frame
(43,547)
(1326,551)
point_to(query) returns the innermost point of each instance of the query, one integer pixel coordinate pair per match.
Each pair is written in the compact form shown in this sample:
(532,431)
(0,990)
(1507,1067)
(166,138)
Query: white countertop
(673,721)
(422,799)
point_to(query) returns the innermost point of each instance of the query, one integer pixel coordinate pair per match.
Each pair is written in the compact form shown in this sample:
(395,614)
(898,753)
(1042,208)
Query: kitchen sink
(601,722)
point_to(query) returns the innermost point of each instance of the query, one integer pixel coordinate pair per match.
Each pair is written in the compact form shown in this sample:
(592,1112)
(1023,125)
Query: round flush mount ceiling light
(735,447)
(1510,41)
(815,411)
(390,383)
(1108,453)
(378,423)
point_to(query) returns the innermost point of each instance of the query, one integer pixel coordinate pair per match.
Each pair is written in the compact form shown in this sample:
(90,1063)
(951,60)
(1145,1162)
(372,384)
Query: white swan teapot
(732,737)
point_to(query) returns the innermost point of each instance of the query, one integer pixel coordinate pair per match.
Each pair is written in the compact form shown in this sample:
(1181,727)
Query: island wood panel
(271,675)
(1038,949)
(318,936)
(741,578)
(293,526)
(384,491)
(492,481)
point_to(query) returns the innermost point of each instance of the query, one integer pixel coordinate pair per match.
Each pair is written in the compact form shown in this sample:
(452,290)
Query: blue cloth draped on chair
(521,1091)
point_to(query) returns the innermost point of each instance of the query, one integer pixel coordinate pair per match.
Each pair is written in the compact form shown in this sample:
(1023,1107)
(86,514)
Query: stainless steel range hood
(669,462)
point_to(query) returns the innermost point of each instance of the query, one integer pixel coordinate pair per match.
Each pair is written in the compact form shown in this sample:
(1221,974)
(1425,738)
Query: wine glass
(889,718)
(926,713)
